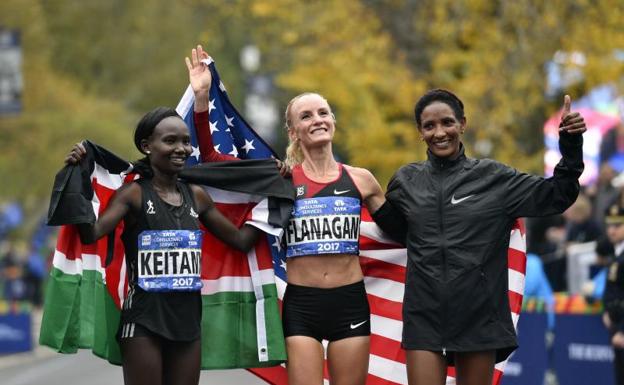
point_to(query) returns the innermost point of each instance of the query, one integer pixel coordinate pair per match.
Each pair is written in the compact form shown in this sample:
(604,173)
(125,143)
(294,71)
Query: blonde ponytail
(294,155)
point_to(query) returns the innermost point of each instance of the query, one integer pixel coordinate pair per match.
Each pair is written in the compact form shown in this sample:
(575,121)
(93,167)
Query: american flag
(383,261)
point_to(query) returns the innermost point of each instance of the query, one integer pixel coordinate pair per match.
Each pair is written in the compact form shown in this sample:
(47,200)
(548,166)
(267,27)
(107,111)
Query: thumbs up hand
(571,122)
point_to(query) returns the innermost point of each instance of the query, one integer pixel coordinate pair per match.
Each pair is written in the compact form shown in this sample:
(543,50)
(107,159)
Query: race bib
(169,260)
(324,225)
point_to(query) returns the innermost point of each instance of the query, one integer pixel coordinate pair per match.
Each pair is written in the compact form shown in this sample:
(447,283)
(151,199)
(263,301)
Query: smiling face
(311,121)
(441,129)
(169,145)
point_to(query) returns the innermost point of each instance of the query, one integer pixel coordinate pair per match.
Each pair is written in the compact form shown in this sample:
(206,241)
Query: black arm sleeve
(530,196)
(391,222)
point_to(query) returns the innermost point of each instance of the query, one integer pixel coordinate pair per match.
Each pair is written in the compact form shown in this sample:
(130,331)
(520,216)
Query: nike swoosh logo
(456,201)
(354,326)
(338,192)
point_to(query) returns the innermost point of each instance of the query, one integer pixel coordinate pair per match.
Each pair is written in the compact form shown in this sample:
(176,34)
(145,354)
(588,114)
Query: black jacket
(455,217)
(613,297)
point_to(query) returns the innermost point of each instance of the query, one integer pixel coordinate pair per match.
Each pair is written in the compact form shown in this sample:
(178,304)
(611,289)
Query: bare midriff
(324,271)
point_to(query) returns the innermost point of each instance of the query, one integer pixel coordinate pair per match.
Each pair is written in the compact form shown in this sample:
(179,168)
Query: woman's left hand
(571,122)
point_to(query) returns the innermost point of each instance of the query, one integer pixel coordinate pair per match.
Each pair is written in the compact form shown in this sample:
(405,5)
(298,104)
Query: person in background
(603,193)
(581,226)
(12,273)
(35,272)
(594,288)
(546,238)
(612,144)
(613,298)
(536,286)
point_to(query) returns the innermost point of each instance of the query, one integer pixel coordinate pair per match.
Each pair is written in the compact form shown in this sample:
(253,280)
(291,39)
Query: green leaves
(91,68)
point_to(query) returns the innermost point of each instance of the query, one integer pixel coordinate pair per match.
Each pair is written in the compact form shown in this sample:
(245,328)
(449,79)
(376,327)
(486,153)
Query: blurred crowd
(554,242)
(24,266)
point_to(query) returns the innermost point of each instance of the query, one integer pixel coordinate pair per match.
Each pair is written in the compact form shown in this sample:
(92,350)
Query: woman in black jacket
(455,215)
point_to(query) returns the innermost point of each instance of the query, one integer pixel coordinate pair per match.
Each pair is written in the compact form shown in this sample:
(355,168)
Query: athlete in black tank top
(159,330)
(175,315)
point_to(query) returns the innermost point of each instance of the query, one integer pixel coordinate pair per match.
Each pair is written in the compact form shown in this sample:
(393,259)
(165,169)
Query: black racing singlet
(163,262)
(326,216)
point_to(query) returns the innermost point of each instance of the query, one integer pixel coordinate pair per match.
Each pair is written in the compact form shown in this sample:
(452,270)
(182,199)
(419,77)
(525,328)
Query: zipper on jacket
(443,293)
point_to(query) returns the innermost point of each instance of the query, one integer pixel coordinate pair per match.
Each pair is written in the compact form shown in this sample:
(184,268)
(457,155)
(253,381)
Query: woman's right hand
(199,73)
(76,154)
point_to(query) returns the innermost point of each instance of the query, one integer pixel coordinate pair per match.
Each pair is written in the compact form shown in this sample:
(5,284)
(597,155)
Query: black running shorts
(326,314)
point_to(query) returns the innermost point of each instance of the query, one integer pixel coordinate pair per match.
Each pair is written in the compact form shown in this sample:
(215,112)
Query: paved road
(44,366)
(49,368)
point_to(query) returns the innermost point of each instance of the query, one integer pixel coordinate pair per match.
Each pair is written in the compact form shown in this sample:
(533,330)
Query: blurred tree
(130,51)
(342,52)
(117,49)
(56,114)
(91,68)
(493,55)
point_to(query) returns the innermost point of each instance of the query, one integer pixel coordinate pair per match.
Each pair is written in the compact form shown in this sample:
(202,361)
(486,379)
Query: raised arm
(201,80)
(529,195)
(241,239)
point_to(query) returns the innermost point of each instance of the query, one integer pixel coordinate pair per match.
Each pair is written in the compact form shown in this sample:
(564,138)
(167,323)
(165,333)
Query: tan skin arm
(125,197)
(241,239)
(371,191)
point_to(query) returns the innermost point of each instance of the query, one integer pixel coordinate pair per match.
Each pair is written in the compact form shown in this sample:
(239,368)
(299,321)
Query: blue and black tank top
(163,259)
(326,216)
